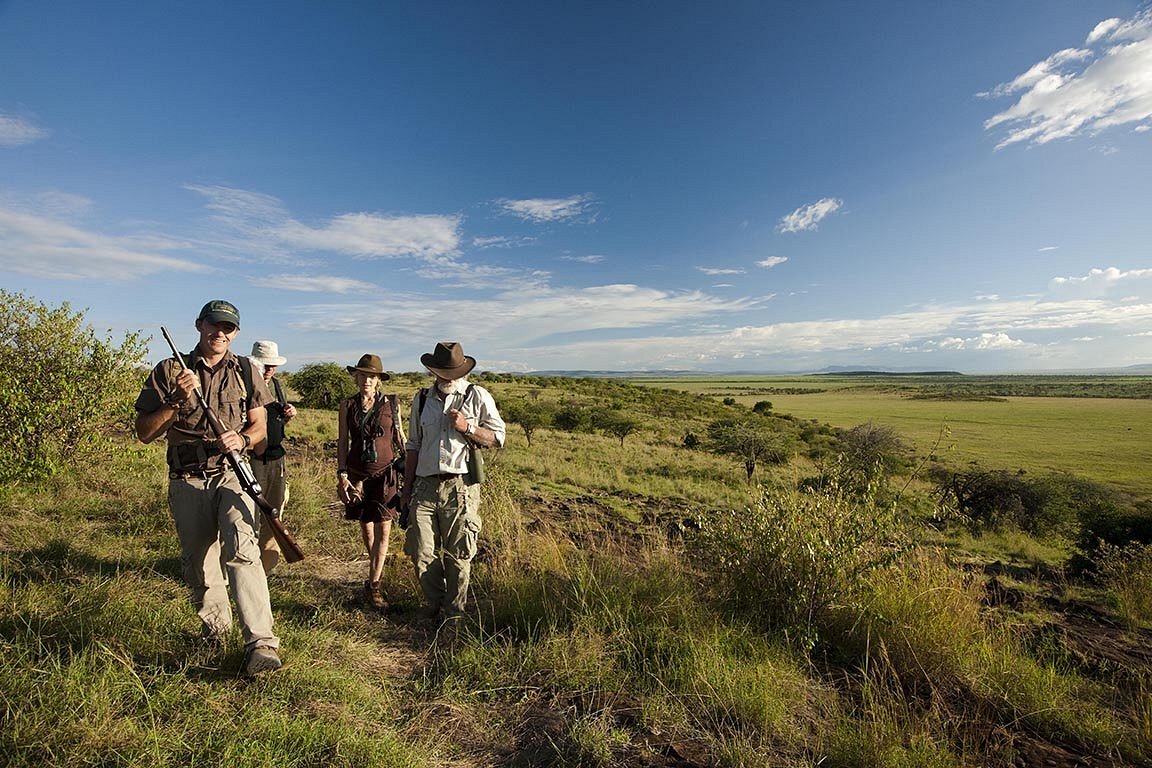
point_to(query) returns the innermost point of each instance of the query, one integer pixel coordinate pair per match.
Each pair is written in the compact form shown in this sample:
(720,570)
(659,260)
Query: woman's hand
(345,491)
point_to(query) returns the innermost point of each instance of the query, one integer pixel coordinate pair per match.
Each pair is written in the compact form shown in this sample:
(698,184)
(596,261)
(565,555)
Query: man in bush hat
(215,519)
(268,455)
(450,421)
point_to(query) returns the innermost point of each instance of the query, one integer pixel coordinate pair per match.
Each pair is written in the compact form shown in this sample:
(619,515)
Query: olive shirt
(191,441)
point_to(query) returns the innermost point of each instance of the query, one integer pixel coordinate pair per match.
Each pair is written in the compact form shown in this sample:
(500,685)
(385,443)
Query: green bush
(788,559)
(61,387)
(323,385)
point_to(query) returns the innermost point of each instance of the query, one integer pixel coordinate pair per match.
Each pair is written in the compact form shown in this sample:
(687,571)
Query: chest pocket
(230,398)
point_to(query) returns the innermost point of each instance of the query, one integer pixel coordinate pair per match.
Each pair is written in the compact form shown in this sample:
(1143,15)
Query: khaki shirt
(443,450)
(191,442)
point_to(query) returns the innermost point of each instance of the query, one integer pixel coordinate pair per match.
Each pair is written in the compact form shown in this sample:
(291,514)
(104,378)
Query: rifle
(288,545)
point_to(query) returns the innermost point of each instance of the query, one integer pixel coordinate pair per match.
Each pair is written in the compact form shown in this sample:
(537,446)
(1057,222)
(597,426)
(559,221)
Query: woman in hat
(370,439)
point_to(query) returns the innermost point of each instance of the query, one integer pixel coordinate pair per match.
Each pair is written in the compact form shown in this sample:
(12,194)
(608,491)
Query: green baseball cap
(220,311)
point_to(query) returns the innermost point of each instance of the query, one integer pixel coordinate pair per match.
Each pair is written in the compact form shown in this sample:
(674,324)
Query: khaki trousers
(274,482)
(442,537)
(215,522)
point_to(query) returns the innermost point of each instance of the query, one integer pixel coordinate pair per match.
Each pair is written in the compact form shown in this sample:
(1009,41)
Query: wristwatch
(247,441)
(471,430)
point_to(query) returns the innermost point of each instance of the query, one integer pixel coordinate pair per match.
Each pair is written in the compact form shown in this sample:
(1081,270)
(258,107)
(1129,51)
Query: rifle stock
(288,546)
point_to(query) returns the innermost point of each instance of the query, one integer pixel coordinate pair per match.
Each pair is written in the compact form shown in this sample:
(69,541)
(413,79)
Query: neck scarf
(369,423)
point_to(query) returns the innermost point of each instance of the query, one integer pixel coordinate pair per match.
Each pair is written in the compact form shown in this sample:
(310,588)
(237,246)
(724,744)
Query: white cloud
(1083,91)
(266,228)
(720,271)
(593,258)
(314,284)
(16,131)
(42,246)
(368,235)
(1098,281)
(545,209)
(1047,248)
(807,217)
(501,241)
(771,261)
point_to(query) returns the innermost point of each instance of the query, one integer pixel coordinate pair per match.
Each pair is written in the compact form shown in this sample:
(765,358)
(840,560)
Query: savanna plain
(752,571)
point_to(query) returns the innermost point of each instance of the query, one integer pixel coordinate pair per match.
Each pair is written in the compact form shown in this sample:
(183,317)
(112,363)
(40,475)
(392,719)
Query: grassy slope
(595,642)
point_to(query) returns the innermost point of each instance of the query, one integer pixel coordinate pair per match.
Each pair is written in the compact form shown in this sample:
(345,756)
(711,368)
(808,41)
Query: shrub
(788,559)
(1126,572)
(61,386)
(323,385)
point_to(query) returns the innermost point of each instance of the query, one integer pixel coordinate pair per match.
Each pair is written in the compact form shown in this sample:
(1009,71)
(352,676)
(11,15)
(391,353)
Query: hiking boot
(260,660)
(374,596)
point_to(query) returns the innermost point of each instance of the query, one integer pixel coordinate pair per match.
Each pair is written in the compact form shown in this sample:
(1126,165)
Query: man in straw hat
(215,519)
(449,420)
(268,455)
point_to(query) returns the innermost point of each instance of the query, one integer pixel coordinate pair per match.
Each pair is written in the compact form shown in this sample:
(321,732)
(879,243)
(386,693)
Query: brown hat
(448,361)
(369,364)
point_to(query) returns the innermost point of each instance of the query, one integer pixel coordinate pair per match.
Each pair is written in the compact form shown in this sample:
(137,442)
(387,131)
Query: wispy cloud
(314,284)
(1082,90)
(17,131)
(592,258)
(501,241)
(549,209)
(264,223)
(807,217)
(42,246)
(720,271)
(772,261)
(1047,248)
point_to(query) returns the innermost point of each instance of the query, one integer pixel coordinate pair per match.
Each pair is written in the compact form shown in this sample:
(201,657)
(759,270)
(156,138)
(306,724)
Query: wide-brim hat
(369,364)
(220,311)
(267,353)
(448,361)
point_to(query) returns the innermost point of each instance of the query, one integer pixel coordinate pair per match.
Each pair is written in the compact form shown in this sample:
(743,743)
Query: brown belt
(201,474)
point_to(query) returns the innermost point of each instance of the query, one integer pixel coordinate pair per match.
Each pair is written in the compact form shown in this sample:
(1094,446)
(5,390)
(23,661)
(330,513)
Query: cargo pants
(442,537)
(271,475)
(216,524)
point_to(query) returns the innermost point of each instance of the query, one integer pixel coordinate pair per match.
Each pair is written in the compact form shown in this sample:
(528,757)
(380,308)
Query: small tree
(618,425)
(751,438)
(530,416)
(61,386)
(762,406)
(323,385)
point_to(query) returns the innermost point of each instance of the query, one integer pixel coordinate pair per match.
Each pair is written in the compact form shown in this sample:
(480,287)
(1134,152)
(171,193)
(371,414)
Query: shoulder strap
(246,376)
(423,399)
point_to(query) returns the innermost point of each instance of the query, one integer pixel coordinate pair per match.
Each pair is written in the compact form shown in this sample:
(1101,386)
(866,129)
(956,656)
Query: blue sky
(754,186)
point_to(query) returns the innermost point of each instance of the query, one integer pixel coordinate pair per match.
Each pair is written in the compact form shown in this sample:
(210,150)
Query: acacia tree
(752,438)
(530,416)
(617,424)
(62,387)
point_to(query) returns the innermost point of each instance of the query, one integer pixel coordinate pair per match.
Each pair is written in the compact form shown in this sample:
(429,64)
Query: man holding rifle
(214,517)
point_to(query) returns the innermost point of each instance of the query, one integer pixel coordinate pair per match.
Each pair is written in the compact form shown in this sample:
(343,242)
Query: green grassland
(1073,428)
(634,603)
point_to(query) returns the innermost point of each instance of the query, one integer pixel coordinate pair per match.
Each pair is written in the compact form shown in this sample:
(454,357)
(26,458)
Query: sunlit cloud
(314,284)
(47,247)
(1047,248)
(1082,90)
(593,258)
(772,261)
(265,225)
(17,131)
(1098,282)
(807,217)
(549,209)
